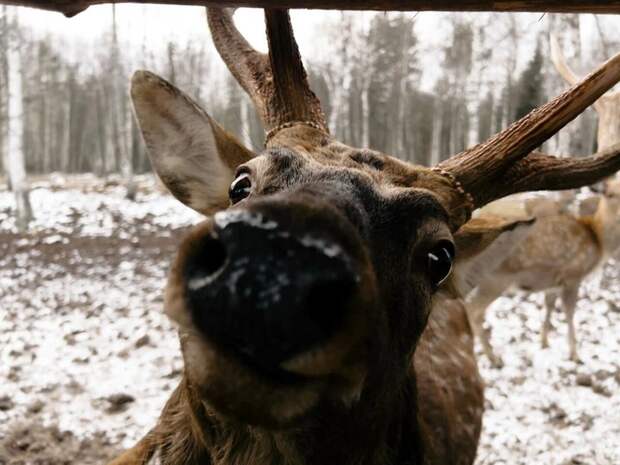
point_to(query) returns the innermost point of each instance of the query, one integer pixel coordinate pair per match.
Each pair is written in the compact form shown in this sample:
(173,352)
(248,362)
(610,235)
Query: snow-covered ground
(542,408)
(87,358)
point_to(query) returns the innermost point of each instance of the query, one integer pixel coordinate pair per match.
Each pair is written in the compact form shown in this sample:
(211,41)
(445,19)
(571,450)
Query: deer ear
(482,245)
(192,154)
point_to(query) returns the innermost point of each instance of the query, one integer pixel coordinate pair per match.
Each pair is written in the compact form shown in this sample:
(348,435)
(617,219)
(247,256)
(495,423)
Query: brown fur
(448,380)
(188,432)
(443,382)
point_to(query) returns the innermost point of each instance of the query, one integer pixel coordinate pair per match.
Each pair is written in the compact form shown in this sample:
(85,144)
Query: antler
(557,57)
(539,171)
(485,169)
(559,61)
(277,82)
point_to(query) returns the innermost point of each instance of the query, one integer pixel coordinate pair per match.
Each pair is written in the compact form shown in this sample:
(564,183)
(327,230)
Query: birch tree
(4,78)
(119,136)
(16,167)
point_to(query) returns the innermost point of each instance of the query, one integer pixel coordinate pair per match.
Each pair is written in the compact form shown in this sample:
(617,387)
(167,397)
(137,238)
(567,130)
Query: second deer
(559,252)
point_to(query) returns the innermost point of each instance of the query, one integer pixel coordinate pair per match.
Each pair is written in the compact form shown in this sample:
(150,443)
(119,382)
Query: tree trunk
(436,135)
(15,133)
(119,135)
(172,72)
(102,138)
(4,77)
(365,115)
(135,145)
(245,124)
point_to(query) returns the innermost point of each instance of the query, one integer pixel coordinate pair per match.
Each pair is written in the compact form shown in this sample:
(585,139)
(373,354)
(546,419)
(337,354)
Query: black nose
(266,294)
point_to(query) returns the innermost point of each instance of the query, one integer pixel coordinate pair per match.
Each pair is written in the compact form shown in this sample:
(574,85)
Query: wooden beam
(70,8)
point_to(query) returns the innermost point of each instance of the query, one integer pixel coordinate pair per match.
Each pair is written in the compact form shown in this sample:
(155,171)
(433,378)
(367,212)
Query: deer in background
(302,300)
(563,249)
(559,252)
(607,109)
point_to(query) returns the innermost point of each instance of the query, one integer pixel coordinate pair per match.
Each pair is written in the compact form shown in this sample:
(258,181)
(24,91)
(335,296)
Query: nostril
(326,303)
(207,260)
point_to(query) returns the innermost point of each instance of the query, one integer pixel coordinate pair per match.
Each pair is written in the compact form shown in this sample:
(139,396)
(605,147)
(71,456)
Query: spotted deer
(302,299)
(557,254)
(563,248)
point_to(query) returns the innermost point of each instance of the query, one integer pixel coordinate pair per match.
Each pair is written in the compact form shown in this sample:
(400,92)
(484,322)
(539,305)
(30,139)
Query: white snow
(94,213)
(70,327)
(536,412)
(256,220)
(330,249)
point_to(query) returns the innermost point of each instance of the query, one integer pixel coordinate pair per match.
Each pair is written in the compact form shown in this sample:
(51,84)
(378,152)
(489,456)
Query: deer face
(313,276)
(316,267)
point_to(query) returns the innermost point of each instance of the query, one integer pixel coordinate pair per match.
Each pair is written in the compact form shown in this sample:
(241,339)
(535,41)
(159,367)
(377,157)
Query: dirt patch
(34,444)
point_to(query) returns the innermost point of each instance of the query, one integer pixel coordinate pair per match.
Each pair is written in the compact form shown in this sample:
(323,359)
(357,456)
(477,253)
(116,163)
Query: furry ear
(482,245)
(192,154)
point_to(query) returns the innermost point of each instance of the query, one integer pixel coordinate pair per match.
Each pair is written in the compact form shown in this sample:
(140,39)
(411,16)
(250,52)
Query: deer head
(312,278)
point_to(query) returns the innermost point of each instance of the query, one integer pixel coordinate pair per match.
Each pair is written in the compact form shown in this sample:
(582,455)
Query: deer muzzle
(273,297)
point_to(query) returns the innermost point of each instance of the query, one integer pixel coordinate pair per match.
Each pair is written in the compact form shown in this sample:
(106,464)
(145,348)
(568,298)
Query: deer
(314,306)
(560,251)
(587,240)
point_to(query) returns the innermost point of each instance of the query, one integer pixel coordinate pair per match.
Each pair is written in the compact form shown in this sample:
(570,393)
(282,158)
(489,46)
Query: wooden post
(70,8)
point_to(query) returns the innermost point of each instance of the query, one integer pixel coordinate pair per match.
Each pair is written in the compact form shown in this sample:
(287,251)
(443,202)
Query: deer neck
(190,433)
(604,227)
(609,117)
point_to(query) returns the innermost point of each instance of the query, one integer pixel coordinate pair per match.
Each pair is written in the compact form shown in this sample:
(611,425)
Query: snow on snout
(201,281)
(256,220)
(328,248)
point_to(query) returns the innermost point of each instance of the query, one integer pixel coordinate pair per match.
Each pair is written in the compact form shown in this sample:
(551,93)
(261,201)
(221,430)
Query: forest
(417,94)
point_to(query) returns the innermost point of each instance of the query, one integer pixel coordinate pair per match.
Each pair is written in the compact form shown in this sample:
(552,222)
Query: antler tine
(245,63)
(277,83)
(293,98)
(539,171)
(557,57)
(480,168)
(559,61)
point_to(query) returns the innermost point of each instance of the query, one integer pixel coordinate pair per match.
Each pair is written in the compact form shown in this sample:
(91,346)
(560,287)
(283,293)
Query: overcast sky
(161,23)
(158,25)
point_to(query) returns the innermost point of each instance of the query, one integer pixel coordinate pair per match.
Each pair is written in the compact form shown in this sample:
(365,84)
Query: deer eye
(439,262)
(240,188)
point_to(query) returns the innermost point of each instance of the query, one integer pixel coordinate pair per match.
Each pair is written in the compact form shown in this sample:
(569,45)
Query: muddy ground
(87,358)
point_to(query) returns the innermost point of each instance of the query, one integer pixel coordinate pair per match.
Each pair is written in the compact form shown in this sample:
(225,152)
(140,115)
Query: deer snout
(265,294)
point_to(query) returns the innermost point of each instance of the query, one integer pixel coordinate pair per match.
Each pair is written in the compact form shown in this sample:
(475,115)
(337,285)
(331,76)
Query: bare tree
(16,167)
(119,135)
